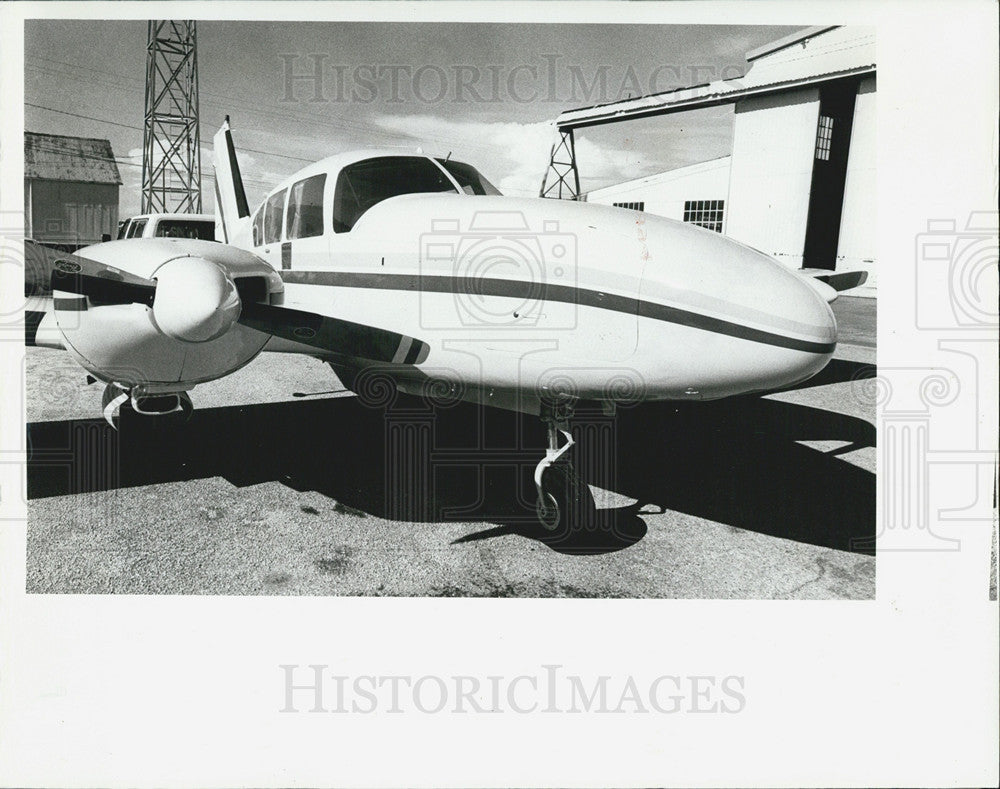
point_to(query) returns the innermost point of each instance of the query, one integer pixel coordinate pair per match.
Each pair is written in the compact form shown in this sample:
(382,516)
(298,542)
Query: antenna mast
(171,162)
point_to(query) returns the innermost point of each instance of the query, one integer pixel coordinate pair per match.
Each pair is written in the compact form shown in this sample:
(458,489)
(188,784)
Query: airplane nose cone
(758,325)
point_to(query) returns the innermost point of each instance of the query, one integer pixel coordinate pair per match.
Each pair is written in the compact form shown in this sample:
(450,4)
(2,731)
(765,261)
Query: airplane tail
(232,213)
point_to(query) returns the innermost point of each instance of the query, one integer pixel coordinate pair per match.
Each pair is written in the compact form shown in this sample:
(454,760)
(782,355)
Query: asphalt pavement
(284,483)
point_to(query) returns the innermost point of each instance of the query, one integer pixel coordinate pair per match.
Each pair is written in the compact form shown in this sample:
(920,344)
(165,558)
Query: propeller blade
(100,283)
(334,335)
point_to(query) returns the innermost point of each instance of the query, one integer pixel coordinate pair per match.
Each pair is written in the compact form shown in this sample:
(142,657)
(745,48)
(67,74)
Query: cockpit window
(366,183)
(469,178)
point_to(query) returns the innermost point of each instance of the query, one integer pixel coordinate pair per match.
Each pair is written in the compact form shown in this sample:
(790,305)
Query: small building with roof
(70,190)
(800,181)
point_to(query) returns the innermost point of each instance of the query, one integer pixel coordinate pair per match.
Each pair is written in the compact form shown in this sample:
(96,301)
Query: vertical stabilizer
(232,214)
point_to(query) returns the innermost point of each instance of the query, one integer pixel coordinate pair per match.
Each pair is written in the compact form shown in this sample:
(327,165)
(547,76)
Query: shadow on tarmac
(736,461)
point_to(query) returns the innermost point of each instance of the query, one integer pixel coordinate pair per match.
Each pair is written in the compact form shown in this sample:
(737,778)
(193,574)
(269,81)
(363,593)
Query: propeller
(100,283)
(194,300)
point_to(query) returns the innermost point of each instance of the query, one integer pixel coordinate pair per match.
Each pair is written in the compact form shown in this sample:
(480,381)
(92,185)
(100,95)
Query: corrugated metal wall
(73,213)
(774,139)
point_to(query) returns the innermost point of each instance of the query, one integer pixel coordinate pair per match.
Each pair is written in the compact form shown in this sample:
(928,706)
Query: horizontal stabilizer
(837,280)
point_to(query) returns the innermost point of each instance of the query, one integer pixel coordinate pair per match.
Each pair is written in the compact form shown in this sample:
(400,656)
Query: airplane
(413,272)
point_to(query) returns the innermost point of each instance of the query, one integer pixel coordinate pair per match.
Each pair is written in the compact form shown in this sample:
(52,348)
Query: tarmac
(284,483)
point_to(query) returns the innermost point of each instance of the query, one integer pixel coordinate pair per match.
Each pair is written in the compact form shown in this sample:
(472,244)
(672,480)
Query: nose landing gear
(563,498)
(171,407)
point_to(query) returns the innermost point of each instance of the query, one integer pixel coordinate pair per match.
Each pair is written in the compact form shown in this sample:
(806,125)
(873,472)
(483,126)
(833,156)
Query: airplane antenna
(448,157)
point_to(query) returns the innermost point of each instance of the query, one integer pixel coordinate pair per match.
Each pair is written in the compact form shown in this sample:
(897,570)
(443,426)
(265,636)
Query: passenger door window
(272,217)
(305,208)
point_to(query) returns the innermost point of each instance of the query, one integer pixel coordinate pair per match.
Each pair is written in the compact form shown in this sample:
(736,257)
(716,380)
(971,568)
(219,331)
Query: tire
(567,503)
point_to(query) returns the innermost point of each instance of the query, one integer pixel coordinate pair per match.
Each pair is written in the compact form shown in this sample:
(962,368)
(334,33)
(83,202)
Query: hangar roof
(809,56)
(53,157)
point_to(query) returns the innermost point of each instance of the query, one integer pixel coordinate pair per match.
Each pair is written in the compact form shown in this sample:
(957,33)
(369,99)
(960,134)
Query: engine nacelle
(188,334)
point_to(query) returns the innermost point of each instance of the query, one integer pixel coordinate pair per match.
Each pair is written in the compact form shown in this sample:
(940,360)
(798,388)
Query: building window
(639,206)
(824,136)
(704,213)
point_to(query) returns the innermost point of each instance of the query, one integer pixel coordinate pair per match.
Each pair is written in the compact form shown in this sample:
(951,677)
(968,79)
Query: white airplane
(414,272)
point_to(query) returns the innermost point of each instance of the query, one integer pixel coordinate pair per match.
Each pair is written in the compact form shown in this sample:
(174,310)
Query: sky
(486,93)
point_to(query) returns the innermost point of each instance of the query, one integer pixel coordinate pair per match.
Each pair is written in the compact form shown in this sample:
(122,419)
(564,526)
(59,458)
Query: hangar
(800,181)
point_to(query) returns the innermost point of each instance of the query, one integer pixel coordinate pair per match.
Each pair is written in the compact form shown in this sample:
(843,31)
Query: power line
(139,128)
(342,124)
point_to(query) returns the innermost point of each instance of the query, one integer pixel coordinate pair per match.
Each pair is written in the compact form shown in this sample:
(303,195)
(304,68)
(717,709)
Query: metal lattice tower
(562,167)
(171,162)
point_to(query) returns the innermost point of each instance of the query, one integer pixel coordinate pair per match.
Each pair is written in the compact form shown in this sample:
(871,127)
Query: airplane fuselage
(527,298)
(500,300)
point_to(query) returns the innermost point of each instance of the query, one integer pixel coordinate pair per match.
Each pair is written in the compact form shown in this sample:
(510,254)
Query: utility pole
(171,162)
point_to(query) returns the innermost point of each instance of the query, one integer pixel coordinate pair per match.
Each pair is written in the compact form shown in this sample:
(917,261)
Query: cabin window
(272,217)
(469,178)
(258,227)
(705,213)
(639,206)
(369,182)
(305,208)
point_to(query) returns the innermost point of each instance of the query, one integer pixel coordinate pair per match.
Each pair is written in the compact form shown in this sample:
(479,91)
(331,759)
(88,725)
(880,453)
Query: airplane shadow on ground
(737,462)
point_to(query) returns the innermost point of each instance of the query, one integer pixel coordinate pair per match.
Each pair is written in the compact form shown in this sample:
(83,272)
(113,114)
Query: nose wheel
(562,495)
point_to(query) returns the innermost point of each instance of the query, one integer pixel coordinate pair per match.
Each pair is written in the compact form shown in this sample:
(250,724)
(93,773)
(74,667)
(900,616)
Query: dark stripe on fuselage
(520,289)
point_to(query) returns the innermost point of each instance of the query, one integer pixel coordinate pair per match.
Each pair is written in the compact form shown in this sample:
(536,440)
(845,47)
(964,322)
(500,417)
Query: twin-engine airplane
(415,271)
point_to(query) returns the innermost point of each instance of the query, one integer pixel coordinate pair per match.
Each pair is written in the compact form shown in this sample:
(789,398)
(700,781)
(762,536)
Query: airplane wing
(39,324)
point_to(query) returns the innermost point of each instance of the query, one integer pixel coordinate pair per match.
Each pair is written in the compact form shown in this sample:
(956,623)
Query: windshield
(366,183)
(186,228)
(469,178)
(136,228)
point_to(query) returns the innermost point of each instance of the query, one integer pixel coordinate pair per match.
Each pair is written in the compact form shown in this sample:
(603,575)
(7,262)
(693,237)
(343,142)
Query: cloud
(513,155)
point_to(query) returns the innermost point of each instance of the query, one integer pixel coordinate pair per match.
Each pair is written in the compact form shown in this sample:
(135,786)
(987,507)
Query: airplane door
(306,242)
